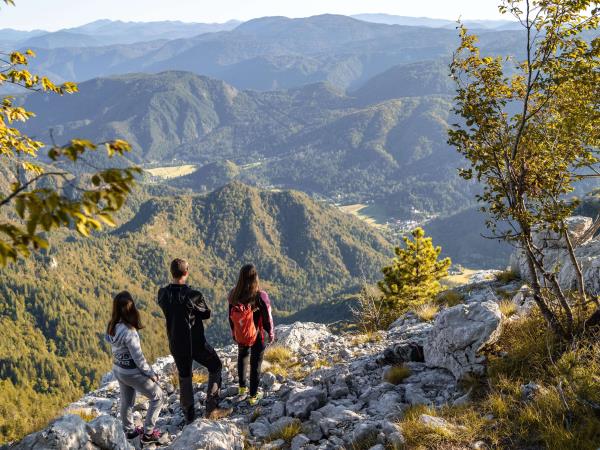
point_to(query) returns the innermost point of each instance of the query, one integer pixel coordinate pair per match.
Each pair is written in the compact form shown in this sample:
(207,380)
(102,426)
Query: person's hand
(271,338)
(154,378)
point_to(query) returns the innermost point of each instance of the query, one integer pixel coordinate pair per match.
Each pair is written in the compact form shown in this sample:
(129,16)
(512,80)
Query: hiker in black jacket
(185,309)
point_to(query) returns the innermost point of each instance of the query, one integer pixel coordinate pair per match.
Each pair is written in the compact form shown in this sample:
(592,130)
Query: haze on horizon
(58,14)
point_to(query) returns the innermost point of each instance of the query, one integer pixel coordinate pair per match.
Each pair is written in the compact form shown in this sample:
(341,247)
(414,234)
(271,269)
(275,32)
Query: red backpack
(244,330)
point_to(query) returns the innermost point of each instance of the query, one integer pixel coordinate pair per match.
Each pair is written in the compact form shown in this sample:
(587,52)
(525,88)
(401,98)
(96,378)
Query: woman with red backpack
(250,319)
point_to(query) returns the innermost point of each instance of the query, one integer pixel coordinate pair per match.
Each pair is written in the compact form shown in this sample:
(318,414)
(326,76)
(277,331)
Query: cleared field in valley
(365,212)
(172,171)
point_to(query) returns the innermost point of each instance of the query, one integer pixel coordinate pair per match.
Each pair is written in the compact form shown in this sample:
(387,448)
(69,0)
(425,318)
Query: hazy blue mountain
(11,36)
(117,31)
(109,32)
(391,19)
(273,52)
(61,39)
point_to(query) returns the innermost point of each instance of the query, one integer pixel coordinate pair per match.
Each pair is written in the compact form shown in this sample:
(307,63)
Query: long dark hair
(247,286)
(124,310)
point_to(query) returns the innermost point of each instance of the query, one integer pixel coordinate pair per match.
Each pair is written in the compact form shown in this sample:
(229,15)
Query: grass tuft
(396,374)
(507,276)
(507,308)
(199,377)
(366,338)
(427,312)
(278,354)
(287,432)
(450,298)
(86,414)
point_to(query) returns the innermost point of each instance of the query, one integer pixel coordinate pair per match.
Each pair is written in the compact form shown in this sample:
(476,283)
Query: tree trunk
(576,266)
(548,315)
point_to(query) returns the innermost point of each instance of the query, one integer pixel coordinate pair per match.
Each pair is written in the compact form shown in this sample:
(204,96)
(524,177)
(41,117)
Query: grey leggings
(129,385)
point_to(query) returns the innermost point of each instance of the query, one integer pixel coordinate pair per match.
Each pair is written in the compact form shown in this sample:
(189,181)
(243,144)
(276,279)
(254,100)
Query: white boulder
(67,432)
(301,335)
(459,334)
(203,434)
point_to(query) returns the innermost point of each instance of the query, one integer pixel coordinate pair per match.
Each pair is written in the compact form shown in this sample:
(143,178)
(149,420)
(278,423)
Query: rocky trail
(322,391)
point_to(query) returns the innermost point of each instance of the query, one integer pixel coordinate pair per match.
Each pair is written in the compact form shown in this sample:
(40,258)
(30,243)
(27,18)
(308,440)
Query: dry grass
(507,307)
(462,430)
(86,414)
(397,374)
(507,276)
(321,363)
(427,312)
(450,298)
(199,377)
(560,416)
(281,361)
(366,338)
(278,354)
(287,432)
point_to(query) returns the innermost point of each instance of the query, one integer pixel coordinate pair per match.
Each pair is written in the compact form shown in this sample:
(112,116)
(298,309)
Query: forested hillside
(314,138)
(55,306)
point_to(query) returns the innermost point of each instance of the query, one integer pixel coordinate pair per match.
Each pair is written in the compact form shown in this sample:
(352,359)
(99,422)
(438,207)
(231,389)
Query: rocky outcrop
(343,398)
(458,336)
(557,258)
(66,432)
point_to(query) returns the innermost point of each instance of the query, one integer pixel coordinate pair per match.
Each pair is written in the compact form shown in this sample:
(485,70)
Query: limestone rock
(107,433)
(459,334)
(67,432)
(301,335)
(202,434)
(304,400)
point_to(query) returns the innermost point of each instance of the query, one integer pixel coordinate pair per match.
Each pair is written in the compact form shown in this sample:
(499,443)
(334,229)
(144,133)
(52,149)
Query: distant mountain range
(111,32)
(390,19)
(262,54)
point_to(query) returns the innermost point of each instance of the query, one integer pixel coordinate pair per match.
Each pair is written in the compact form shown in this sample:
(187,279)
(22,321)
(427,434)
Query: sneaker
(242,391)
(151,438)
(132,434)
(219,413)
(255,398)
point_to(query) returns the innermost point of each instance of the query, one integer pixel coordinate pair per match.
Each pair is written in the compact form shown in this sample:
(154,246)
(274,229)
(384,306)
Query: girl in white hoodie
(131,370)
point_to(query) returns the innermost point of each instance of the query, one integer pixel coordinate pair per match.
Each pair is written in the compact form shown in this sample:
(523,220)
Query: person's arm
(135,350)
(199,306)
(230,307)
(267,317)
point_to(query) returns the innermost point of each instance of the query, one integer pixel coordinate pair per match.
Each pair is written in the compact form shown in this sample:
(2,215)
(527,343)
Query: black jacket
(184,309)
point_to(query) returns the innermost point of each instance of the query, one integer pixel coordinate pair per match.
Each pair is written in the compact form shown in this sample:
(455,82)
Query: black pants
(206,356)
(254,356)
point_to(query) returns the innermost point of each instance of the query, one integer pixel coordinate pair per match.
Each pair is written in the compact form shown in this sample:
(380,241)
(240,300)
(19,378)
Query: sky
(56,14)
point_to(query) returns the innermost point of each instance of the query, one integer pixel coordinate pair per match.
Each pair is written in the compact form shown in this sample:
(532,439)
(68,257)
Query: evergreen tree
(413,277)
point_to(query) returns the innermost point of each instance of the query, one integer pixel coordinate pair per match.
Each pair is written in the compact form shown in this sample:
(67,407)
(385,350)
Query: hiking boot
(151,438)
(218,413)
(242,391)
(132,434)
(253,400)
